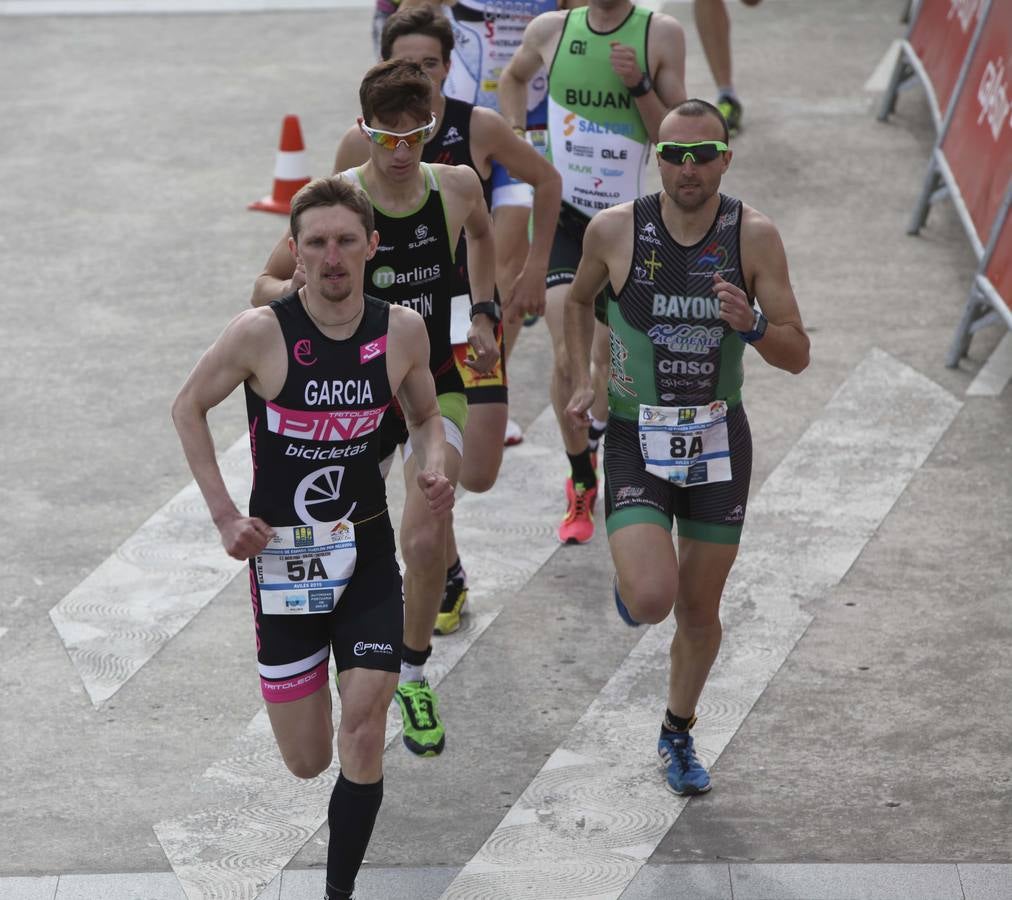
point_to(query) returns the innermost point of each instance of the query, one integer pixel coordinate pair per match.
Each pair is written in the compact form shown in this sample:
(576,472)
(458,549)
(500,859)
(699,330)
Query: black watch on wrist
(643,87)
(759,323)
(490,308)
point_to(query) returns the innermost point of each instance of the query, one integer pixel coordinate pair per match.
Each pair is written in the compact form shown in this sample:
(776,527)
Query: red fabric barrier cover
(940,36)
(978,144)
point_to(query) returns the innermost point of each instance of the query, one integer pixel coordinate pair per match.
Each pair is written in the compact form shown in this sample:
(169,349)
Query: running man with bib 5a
(319,367)
(614,70)
(685,267)
(420,212)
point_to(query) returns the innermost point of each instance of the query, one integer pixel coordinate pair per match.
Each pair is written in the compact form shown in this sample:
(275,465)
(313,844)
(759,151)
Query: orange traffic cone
(290,169)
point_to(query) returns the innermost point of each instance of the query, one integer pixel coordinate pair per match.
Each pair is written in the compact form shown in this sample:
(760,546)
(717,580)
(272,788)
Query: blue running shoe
(623,610)
(684,773)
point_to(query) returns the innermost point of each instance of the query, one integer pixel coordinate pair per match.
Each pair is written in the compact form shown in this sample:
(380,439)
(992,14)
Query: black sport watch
(759,323)
(490,308)
(643,87)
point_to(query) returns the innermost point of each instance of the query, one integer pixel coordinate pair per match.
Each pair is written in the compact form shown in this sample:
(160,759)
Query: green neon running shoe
(424,734)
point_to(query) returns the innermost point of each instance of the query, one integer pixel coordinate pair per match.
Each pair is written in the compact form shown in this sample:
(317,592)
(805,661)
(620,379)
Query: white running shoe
(514,434)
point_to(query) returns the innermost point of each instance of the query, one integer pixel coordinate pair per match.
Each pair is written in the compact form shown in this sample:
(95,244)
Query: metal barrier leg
(976,307)
(932,183)
(901,74)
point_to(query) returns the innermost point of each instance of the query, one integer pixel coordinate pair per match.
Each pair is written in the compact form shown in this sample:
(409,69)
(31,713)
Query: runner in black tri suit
(421,212)
(685,267)
(319,367)
(480,139)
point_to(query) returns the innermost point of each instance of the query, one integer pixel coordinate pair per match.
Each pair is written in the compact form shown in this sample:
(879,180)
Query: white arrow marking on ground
(878,81)
(598,809)
(143,595)
(258,815)
(995,373)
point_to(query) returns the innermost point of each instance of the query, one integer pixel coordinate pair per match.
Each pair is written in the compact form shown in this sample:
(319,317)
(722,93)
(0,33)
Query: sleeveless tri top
(451,145)
(315,446)
(486,36)
(414,266)
(669,346)
(596,137)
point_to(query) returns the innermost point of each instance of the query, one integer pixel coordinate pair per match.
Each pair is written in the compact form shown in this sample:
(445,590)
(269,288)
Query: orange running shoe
(578,526)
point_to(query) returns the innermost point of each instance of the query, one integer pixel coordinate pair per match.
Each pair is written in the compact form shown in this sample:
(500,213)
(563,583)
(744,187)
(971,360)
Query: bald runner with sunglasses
(685,267)
(421,211)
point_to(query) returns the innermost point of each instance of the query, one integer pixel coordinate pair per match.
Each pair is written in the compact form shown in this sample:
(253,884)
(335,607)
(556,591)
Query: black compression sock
(351,817)
(673,723)
(455,571)
(583,470)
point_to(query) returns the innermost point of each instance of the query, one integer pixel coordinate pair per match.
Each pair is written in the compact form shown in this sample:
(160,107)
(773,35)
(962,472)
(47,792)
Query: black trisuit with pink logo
(315,449)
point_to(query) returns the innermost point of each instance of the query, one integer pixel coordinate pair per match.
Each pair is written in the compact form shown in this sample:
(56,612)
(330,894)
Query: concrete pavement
(874,760)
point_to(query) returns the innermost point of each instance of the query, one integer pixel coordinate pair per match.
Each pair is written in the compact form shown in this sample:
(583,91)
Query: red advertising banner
(999,267)
(940,36)
(978,143)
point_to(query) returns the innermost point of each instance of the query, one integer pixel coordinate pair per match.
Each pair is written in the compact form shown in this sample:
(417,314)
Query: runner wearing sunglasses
(685,267)
(614,70)
(479,138)
(421,211)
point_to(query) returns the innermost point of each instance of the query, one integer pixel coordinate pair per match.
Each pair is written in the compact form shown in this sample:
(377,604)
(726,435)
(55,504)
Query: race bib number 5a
(305,568)
(686,445)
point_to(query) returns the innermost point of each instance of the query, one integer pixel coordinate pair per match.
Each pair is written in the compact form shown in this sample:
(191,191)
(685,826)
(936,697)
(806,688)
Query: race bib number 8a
(686,445)
(305,568)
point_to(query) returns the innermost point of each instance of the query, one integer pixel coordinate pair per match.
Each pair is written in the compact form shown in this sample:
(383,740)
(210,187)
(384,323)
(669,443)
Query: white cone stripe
(291,165)
(597,810)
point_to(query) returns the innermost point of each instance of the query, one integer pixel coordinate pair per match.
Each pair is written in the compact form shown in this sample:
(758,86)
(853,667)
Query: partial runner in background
(714,27)
(614,70)
(487,33)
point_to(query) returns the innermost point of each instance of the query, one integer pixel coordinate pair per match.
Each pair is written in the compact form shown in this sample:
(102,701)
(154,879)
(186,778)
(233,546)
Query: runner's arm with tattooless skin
(280,276)
(416,393)
(528,59)
(666,43)
(785,344)
(602,243)
(236,356)
(467,197)
(497,141)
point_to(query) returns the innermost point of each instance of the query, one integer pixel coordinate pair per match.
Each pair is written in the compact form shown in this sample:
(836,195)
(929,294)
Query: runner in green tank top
(685,266)
(614,70)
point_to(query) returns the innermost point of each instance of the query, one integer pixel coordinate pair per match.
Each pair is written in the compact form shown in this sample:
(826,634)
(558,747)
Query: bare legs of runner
(652,581)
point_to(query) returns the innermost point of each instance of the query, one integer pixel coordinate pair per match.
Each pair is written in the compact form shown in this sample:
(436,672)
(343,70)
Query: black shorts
(567,249)
(365,629)
(705,512)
